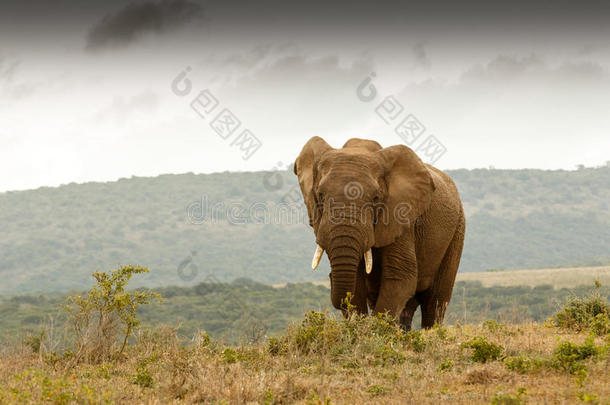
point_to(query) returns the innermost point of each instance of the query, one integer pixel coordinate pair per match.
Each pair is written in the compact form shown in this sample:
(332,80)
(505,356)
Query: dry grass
(567,277)
(558,278)
(357,361)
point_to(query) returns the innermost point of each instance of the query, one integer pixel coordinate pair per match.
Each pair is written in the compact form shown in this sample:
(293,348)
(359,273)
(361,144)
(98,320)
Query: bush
(591,312)
(521,364)
(143,377)
(569,356)
(377,339)
(446,365)
(503,398)
(484,351)
(105,317)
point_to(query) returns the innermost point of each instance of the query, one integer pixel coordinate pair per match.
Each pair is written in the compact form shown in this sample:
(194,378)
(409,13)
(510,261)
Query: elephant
(392,227)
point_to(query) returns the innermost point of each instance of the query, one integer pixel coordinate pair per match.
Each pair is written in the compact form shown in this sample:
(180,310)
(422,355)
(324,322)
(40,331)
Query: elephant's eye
(375,199)
(321,198)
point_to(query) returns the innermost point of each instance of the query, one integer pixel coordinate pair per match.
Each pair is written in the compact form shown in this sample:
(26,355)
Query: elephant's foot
(406,316)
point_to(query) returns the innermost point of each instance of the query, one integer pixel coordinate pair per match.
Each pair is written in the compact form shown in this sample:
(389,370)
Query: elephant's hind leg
(435,300)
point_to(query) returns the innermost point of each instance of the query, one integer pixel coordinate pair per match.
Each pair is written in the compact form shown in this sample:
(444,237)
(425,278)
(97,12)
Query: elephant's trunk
(345,253)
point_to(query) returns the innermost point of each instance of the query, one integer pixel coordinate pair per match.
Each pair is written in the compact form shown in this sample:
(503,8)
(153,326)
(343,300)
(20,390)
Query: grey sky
(85,87)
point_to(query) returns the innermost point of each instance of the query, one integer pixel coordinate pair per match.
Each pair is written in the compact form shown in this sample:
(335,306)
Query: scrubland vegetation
(321,358)
(245,310)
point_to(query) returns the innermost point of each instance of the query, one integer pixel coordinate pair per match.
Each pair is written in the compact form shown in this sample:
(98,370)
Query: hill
(189,227)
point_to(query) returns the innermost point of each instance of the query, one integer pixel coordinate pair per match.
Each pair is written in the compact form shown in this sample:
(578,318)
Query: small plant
(569,356)
(416,341)
(202,339)
(143,377)
(600,324)
(376,390)
(267,397)
(106,315)
(35,341)
(588,398)
(521,364)
(484,351)
(591,312)
(503,398)
(275,346)
(229,356)
(492,325)
(446,365)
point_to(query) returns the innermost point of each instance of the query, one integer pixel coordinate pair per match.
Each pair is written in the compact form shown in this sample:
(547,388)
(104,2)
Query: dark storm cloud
(421,56)
(136,19)
(125,20)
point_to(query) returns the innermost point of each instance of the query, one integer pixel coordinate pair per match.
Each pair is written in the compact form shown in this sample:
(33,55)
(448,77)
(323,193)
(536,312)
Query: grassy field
(322,361)
(558,278)
(103,355)
(566,277)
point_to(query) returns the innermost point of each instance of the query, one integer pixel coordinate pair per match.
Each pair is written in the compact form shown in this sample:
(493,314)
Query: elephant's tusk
(368,261)
(316,257)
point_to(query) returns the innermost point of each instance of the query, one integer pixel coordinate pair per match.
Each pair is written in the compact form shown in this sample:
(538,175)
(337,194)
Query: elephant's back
(446,191)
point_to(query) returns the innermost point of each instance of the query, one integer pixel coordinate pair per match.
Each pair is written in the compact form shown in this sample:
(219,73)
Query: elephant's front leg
(360,293)
(398,276)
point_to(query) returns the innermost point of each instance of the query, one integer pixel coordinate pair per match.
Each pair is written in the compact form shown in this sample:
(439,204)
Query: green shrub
(415,340)
(106,315)
(35,341)
(275,346)
(229,356)
(521,364)
(446,365)
(569,356)
(600,324)
(378,339)
(376,390)
(579,314)
(503,398)
(143,377)
(484,351)
(492,325)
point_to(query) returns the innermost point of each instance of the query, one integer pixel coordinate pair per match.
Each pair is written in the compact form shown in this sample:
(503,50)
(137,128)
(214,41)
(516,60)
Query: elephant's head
(359,197)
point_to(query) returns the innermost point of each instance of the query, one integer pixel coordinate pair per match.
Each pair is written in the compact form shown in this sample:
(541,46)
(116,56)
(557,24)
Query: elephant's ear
(409,192)
(305,169)
(367,144)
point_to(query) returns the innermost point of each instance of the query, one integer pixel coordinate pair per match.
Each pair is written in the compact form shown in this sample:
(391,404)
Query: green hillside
(53,238)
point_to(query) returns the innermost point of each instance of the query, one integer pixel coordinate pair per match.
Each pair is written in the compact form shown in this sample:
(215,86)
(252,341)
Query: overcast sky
(89,91)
